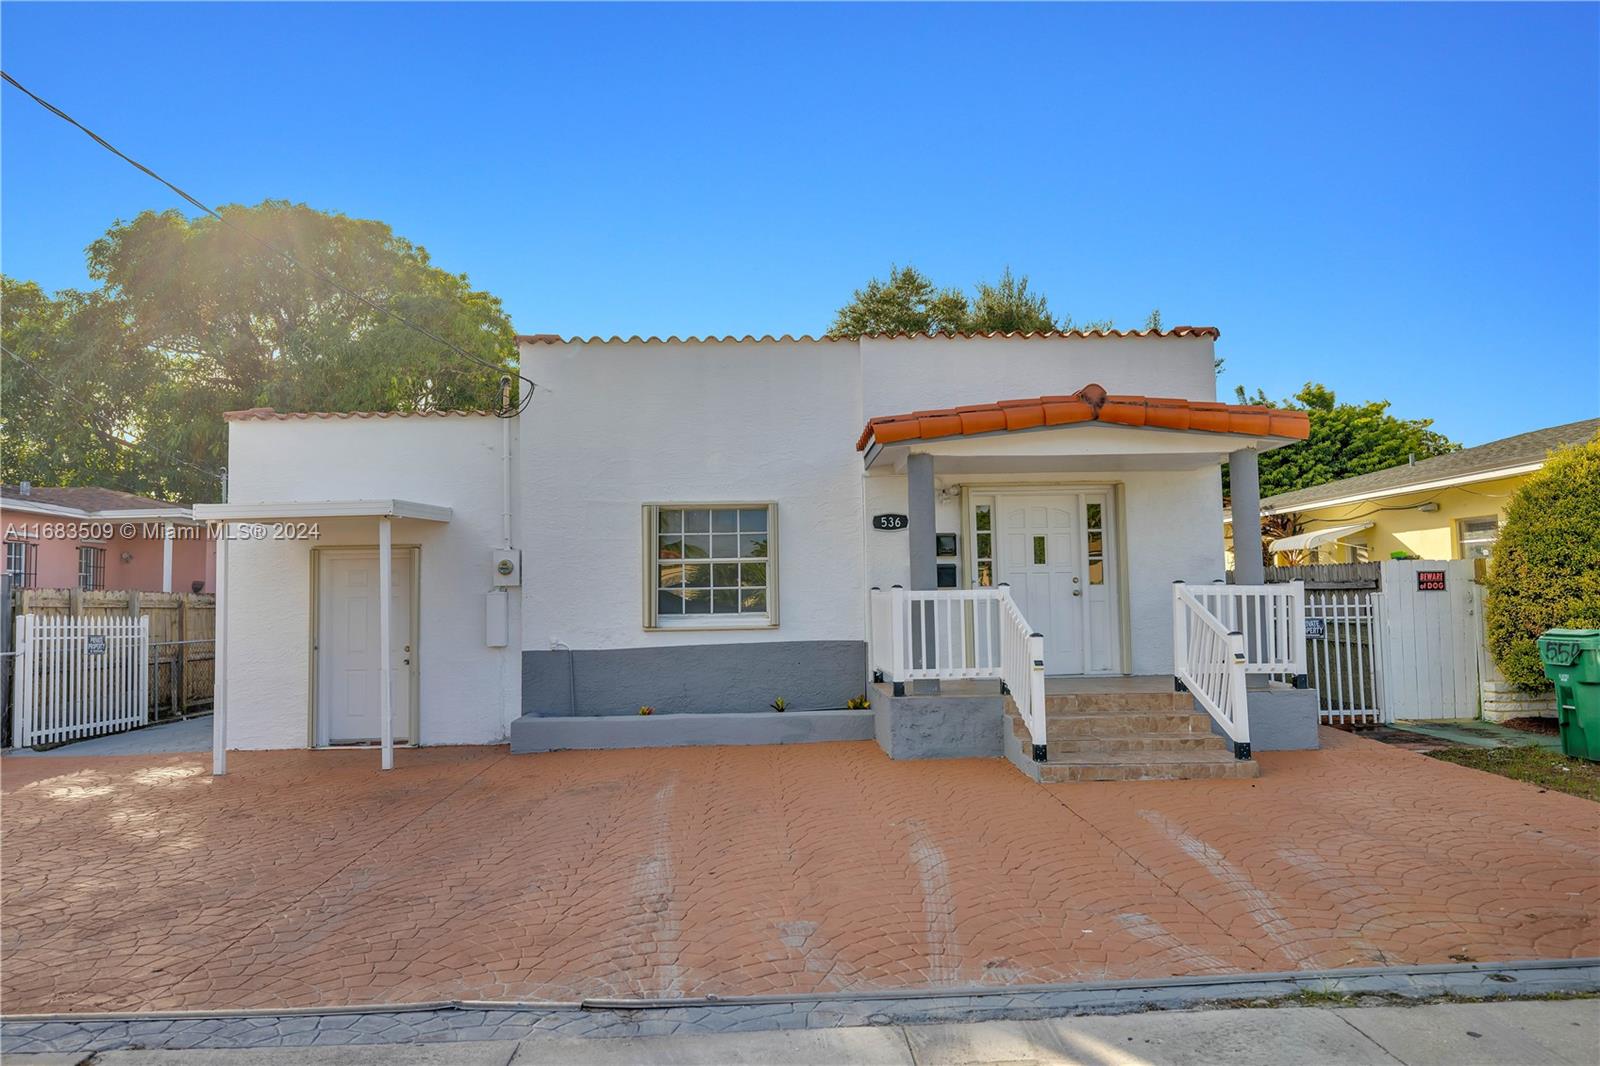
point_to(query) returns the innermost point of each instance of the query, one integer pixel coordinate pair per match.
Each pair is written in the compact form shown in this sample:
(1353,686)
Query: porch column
(921,543)
(1244,483)
(166,557)
(385,653)
(920,513)
(219,643)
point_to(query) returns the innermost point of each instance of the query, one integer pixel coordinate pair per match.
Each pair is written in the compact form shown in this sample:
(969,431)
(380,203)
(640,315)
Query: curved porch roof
(1089,404)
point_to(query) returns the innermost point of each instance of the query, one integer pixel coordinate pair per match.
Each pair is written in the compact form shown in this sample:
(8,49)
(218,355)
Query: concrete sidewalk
(1524,1033)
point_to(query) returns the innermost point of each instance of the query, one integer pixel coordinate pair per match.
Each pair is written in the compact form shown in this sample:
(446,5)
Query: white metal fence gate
(1342,653)
(79,677)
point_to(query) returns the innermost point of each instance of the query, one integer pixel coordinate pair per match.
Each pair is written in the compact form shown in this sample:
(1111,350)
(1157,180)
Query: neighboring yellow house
(1446,507)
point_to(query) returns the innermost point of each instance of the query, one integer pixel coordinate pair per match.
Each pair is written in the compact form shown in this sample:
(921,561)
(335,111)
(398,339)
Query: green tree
(195,317)
(907,303)
(1545,569)
(1345,440)
(1008,307)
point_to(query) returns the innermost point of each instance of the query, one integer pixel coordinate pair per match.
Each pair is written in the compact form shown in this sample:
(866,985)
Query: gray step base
(532,733)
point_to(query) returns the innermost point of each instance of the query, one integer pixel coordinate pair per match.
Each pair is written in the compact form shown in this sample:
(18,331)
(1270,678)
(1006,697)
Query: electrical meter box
(507,567)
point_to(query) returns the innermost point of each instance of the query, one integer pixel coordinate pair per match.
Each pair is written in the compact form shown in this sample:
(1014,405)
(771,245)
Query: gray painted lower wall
(938,727)
(694,678)
(1281,718)
(532,733)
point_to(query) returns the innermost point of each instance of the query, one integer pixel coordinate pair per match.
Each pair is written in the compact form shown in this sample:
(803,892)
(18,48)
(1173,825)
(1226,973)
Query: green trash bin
(1571,659)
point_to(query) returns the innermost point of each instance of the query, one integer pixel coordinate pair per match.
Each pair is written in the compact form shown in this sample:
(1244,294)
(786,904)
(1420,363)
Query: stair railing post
(1036,709)
(898,649)
(1239,696)
(1180,653)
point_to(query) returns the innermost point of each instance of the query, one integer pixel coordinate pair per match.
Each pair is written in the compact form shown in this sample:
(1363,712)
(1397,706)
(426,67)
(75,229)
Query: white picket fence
(1271,618)
(79,677)
(959,635)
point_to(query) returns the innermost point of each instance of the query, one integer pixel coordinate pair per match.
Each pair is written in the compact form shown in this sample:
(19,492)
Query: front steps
(1125,736)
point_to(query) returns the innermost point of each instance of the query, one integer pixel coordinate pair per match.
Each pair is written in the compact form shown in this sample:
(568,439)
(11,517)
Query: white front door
(347,645)
(1039,558)
(1054,549)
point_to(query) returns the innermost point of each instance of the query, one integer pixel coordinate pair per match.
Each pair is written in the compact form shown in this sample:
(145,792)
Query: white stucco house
(978,533)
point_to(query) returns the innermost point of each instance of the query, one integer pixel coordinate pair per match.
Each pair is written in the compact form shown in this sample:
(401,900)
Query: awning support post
(385,652)
(219,697)
(167,535)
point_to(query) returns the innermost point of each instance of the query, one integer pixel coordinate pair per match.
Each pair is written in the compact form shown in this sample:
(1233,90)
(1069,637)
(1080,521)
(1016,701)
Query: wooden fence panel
(180,673)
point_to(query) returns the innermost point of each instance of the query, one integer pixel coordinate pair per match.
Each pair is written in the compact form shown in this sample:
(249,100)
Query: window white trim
(1466,539)
(650,559)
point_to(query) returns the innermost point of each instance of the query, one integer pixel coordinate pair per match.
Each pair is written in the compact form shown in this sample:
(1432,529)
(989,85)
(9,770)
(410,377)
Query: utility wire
(154,453)
(501,412)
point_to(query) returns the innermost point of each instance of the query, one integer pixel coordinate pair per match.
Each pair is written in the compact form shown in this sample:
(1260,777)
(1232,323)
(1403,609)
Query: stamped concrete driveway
(310,878)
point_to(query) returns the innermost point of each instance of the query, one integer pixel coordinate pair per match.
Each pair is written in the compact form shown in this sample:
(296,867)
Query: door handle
(1077,592)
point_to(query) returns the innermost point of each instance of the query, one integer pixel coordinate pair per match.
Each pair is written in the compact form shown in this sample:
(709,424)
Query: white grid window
(1478,536)
(711,565)
(91,568)
(21,562)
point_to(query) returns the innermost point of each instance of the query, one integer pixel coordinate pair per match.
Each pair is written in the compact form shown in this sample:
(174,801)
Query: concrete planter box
(531,733)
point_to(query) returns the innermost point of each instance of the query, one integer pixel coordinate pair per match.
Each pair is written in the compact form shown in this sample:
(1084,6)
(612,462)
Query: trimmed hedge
(1545,571)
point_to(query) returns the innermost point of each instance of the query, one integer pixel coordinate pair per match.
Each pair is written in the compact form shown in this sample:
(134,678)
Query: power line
(329,279)
(154,453)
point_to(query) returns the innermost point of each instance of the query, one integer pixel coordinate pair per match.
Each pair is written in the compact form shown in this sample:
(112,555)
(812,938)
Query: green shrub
(1545,571)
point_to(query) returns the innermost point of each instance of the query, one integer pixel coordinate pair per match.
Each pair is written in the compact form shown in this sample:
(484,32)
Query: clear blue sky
(1402,202)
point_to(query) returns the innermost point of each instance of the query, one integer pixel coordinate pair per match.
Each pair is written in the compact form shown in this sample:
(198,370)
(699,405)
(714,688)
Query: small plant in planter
(647,710)
(858,703)
(780,705)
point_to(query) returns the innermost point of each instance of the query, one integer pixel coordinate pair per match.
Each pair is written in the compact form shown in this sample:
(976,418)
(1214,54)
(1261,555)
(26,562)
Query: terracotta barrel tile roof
(1176,331)
(267,414)
(1088,404)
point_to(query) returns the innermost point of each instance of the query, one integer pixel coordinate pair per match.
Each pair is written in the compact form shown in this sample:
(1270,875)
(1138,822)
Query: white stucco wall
(617,425)
(468,692)
(906,374)
(620,424)
(1171,533)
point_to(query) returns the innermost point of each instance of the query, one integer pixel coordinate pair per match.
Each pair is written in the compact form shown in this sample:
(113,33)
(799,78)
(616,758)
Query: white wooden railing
(959,634)
(1208,659)
(1271,618)
(79,677)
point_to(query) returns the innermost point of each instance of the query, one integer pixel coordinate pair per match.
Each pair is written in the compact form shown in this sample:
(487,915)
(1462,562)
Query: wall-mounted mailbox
(944,544)
(947,575)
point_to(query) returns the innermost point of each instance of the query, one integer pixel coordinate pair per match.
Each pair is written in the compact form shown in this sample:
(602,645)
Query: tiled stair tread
(1127,725)
(1140,758)
(1114,702)
(1155,741)
(1065,773)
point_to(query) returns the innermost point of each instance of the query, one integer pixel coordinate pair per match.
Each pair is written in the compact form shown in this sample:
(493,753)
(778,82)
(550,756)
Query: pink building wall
(56,559)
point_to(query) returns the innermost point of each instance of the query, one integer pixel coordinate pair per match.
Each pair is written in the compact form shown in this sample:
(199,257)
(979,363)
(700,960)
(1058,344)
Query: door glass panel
(1038,550)
(983,546)
(1095,541)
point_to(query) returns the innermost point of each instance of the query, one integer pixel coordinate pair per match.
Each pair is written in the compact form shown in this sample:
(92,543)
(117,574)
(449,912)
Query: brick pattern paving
(312,879)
